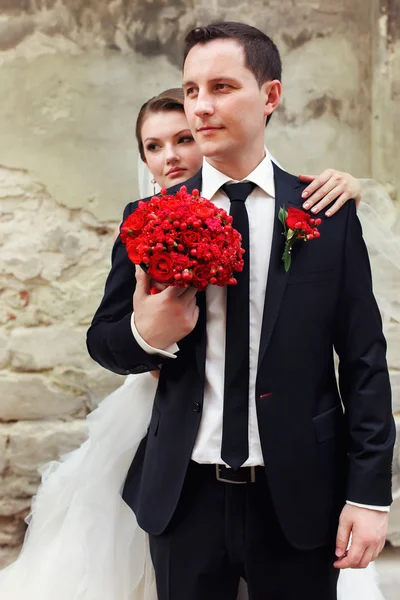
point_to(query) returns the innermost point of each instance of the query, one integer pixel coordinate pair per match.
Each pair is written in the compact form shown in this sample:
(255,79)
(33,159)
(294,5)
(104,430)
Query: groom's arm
(363,377)
(110,340)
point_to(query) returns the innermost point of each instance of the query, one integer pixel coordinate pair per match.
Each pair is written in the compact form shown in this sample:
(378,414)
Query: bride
(83,542)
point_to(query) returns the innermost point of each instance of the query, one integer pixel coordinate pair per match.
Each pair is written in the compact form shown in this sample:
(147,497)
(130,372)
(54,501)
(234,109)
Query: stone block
(95,382)
(17,490)
(33,444)
(43,348)
(31,396)
(4,351)
(77,297)
(12,531)
(15,508)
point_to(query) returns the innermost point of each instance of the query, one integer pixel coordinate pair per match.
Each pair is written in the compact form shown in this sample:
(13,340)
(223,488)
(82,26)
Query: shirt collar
(262,176)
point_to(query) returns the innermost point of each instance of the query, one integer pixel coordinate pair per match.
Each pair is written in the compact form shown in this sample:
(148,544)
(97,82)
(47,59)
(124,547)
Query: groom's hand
(368,528)
(165,318)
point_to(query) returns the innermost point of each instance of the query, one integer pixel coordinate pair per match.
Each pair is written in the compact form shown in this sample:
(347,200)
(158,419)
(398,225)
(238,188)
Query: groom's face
(225,106)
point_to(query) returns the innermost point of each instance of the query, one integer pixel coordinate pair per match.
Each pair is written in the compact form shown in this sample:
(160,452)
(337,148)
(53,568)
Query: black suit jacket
(316,454)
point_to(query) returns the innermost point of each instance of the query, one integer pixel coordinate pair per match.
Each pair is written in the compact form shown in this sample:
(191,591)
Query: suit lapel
(285,195)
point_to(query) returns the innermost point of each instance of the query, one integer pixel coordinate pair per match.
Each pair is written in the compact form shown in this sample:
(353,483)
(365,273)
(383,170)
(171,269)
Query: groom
(250,467)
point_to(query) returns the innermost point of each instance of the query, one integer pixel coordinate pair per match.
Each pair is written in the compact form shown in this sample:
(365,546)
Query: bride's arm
(116,232)
(330,186)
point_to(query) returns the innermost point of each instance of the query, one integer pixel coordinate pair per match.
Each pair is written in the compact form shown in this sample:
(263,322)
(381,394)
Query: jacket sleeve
(363,376)
(110,340)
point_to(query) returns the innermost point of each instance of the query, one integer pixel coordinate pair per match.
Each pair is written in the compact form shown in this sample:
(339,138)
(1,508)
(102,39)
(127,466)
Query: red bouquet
(183,240)
(297,225)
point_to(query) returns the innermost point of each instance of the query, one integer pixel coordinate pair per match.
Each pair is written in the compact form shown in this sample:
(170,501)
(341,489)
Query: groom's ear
(273,92)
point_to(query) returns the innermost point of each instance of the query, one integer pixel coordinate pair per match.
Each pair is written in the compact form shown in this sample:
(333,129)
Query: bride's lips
(175,172)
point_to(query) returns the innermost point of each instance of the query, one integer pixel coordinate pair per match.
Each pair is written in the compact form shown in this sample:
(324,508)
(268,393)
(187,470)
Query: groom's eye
(186,139)
(190,91)
(222,86)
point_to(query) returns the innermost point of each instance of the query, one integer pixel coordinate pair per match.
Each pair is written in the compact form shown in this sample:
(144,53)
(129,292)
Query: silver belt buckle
(219,478)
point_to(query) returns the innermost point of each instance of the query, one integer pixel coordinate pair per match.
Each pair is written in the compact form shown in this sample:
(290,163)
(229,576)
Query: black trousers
(221,532)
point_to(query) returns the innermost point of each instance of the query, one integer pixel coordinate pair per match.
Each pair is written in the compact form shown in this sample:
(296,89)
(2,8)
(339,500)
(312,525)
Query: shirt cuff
(168,352)
(371,507)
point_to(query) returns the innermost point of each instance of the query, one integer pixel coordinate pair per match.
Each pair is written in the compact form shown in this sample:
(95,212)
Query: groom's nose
(204,105)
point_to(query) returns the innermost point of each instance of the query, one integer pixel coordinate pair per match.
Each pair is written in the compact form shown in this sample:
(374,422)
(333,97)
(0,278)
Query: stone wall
(54,263)
(73,74)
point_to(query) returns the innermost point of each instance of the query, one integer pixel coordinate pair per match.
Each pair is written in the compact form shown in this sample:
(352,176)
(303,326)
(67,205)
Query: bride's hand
(329,186)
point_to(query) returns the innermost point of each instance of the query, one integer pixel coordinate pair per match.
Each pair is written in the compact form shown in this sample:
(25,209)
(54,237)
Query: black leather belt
(227,475)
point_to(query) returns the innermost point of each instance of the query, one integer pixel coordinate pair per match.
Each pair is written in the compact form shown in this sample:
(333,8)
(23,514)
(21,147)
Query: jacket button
(196,406)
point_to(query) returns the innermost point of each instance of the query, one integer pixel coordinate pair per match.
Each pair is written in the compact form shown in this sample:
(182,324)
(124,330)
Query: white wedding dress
(83,542)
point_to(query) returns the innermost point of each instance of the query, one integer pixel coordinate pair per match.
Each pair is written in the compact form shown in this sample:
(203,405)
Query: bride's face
(171,153)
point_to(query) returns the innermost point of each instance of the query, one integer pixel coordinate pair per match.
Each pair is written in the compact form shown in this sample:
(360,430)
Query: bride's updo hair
(167,101)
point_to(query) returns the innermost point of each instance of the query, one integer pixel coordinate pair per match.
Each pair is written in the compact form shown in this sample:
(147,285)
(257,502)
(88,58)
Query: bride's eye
(152,147)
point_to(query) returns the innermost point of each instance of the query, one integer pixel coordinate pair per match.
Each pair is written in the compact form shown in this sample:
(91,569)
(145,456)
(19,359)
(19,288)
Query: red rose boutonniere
(183,240)
(297,225)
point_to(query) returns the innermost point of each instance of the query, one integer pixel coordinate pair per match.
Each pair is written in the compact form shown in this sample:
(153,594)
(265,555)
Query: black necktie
(235,438)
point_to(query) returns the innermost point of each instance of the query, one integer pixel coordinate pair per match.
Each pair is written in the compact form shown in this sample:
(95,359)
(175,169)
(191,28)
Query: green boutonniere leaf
(282,216)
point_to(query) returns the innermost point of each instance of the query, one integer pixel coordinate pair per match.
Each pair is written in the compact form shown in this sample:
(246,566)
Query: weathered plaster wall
(73,74)
(385,94)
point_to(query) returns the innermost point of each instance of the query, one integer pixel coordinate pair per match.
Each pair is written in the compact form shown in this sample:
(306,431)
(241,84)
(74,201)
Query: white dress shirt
(261,210)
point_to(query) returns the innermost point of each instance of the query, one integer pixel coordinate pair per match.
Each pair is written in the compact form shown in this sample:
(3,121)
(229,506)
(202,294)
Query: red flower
(161,267)
(214,224)
(133,249)
(171,203)
(201,275)
(189,238)
(222,274)
(181,261)
(296,216)
(132,226)
(202,208)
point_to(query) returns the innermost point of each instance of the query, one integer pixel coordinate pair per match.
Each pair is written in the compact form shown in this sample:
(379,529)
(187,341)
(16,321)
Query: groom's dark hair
(261,55)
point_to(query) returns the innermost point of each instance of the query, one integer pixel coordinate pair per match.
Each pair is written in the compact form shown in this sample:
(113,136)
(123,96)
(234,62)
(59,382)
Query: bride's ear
(273,93)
